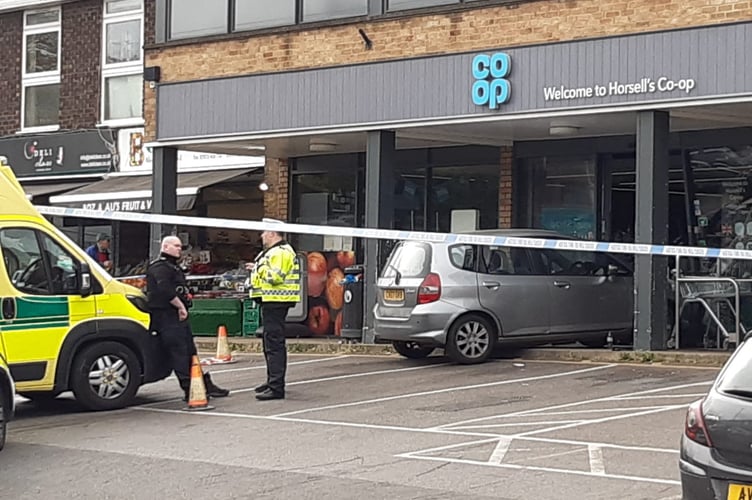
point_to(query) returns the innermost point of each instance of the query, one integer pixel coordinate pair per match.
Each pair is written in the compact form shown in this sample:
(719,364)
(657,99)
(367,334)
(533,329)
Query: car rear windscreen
(411,259)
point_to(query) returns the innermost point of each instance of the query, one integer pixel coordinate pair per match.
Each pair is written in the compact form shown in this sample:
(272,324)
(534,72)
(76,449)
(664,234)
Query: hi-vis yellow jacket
(276,275)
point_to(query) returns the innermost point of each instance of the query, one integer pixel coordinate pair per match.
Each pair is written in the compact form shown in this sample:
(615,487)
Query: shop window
(258,14)
(192,18)
(122,61)
(41,69)
(460,188)
(561,194)
(319,10)
(416,4)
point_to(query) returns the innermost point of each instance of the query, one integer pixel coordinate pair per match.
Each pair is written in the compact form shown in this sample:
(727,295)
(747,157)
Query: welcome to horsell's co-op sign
(644,86)
(492,86)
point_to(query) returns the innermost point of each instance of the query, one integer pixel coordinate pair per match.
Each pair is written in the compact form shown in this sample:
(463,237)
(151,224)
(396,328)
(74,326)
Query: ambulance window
(23,261)
(64,271)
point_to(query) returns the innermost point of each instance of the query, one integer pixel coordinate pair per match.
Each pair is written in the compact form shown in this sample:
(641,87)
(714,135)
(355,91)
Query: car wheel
(105,376)
(3,416)
(471,339)
(412,350)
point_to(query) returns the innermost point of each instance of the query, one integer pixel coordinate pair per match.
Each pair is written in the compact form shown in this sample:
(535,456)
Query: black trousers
(177,341)
(275,347)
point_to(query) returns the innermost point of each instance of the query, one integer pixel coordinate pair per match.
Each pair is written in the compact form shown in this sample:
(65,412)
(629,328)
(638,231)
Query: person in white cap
(275,283)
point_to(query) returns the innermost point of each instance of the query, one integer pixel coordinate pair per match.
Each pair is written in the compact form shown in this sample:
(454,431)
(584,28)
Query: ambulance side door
(40,300)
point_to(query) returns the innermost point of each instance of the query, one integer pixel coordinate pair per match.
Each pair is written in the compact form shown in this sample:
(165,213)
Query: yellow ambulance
(7,397)
(65,324)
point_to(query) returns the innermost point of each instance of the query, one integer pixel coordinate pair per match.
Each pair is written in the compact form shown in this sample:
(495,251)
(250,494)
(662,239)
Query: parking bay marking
(446,390)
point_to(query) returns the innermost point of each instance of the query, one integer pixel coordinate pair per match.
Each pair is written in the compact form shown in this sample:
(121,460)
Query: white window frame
(45,77)
(129,68)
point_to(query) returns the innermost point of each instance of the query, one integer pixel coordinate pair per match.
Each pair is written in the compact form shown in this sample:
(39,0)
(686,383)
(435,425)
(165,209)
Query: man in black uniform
(169,301)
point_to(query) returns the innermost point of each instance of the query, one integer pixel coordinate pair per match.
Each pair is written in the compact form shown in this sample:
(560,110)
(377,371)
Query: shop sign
(615,88)
(136,157)
(57,154)
(492,87)
(137,205)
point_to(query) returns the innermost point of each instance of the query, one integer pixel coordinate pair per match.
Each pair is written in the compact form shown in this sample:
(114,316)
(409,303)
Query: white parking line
(500,451)
(293,363)
(446,390)
(595,455)
(544,410)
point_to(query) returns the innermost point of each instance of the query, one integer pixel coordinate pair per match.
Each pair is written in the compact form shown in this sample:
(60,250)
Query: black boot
(212,390)
(186,386)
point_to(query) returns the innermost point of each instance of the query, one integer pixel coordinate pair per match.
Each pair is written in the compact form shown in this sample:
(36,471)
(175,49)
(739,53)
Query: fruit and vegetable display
(325,290)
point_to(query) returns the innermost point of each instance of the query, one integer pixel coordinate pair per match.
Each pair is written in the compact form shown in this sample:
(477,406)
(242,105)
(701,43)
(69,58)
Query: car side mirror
(85,273)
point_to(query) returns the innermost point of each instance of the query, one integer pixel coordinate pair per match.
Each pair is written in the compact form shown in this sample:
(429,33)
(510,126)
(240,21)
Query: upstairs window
(122,61)
(41,70)
(416,4)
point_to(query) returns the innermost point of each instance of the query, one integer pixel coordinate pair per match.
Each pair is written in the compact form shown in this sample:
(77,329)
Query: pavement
(572,352)
(371,427)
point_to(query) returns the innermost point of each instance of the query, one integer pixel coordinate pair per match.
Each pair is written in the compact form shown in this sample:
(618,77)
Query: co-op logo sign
(491,73)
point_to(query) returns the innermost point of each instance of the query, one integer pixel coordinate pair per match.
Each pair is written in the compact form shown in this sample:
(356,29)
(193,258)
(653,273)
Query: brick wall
(11,33)
(506,187)
(522,23)
(277,175)
(80,64)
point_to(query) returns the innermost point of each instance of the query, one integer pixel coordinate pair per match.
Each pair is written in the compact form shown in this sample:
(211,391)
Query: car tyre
(105,376)
(4,417)
(412,350)
(471,339)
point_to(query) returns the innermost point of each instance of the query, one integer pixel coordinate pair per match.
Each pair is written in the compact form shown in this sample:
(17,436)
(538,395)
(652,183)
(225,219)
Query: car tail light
(694,427)
(430,289)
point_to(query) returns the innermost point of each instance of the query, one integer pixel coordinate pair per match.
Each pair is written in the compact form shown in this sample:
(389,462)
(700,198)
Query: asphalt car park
(371,427)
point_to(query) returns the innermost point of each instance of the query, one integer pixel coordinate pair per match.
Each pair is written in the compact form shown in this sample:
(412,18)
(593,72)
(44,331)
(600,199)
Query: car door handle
(562,284)
(492,285)
(9,308)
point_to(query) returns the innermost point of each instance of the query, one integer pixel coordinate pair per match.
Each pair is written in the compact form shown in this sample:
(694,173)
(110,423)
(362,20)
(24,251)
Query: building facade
(72,125)
(613,120)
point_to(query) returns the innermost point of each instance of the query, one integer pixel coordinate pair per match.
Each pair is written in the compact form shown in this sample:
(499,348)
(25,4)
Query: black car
(716,447)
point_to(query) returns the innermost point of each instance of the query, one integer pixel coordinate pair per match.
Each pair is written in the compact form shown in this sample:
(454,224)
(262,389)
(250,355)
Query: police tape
(393,234)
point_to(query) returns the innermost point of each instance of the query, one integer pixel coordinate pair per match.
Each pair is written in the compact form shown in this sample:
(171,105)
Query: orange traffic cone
(224,356)
(197,399)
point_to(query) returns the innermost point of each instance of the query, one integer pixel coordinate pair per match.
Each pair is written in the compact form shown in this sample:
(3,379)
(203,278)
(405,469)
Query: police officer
(275,283)
(169,301)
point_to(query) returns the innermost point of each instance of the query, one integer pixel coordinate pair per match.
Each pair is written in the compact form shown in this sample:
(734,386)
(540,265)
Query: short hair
(103,237)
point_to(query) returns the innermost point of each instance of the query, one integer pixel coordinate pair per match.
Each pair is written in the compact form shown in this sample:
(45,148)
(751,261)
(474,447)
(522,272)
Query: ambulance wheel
(105,376)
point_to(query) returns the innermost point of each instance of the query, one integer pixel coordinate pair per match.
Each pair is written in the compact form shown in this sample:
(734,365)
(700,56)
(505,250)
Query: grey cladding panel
(718,59)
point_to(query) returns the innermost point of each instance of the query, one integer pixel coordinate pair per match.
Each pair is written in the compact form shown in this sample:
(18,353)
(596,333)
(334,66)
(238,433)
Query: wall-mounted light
(563,130)
(264,186)
(321,146)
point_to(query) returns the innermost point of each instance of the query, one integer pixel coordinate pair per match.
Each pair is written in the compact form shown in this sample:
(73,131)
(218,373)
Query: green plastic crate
(207,315)
(251,317)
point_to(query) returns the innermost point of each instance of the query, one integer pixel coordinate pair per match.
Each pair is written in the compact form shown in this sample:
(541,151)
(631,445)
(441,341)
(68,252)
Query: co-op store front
(639,138)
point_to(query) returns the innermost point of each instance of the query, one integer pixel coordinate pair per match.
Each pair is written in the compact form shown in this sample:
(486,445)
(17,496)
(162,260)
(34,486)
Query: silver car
(466,298)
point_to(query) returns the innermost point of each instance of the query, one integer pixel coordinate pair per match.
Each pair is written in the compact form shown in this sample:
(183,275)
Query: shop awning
(38,190)
(132,193)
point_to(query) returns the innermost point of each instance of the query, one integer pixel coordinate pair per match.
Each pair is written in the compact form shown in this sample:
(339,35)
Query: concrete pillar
(164,184)
(379,213)
(651,227)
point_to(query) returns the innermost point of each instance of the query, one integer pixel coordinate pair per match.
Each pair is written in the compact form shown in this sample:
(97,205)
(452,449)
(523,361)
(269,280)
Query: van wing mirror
(85,281)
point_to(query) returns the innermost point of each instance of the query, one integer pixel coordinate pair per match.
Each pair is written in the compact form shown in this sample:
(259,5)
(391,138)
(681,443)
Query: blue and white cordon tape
(392,234)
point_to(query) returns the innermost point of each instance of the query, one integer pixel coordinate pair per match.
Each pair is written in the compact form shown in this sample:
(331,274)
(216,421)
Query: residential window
(41,69)
(122,61)
(258,14)
(320,10)
(416,4)
(191,18)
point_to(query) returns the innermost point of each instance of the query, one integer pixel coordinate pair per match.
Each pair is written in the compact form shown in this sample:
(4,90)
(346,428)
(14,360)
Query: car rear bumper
(427,324)
(703,477)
